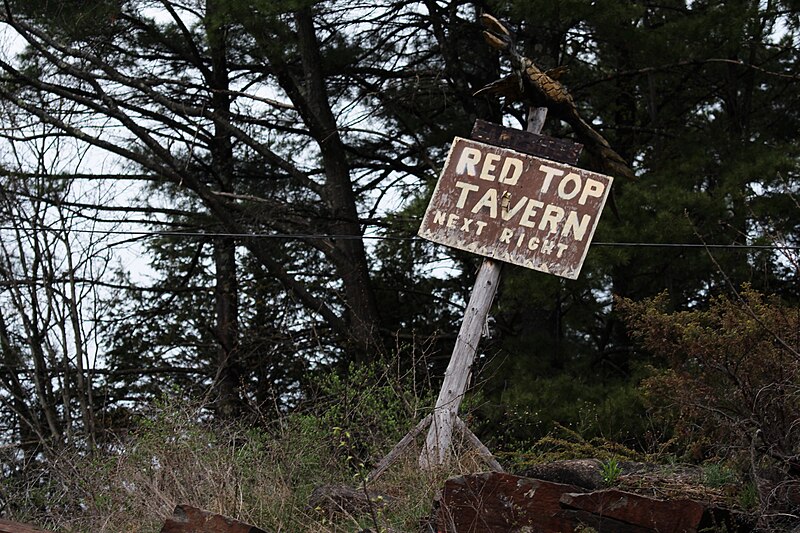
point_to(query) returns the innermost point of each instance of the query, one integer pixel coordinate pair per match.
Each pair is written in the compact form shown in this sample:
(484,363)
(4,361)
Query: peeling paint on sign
(514,207)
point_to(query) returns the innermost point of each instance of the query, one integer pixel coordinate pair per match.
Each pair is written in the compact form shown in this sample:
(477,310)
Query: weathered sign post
(514,197)
(511,196)
(508,206)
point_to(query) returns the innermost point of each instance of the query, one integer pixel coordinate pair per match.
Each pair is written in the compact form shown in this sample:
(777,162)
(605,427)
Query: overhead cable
(332,236)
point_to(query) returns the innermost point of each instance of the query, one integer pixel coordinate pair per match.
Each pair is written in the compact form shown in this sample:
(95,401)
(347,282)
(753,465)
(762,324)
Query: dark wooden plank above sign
(560,150)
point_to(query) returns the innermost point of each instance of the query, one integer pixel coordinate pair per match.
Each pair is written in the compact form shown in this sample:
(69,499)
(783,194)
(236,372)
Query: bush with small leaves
(731,386)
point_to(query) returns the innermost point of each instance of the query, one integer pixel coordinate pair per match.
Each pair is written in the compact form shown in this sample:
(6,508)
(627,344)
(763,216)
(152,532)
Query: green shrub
(716,475)
(731,390)
(610,470)
(748,496)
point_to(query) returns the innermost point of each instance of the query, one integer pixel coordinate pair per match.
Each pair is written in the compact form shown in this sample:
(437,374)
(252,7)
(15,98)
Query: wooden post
(456,377)
(457,374)
(444,418)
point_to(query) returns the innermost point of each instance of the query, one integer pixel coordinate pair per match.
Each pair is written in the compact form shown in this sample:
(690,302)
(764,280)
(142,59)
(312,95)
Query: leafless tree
(51,261)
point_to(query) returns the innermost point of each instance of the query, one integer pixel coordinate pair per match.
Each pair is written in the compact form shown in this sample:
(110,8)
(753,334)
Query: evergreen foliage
(287,149)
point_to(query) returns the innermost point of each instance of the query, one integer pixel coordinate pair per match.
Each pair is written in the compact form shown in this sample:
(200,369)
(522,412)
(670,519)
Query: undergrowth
(563,443)
(261,474)
(263,470)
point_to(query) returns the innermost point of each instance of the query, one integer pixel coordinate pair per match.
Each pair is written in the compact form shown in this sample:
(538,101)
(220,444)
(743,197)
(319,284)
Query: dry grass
(260,477)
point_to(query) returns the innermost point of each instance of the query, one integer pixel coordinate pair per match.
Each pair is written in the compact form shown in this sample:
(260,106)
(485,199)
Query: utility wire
(307,236)
(696,245)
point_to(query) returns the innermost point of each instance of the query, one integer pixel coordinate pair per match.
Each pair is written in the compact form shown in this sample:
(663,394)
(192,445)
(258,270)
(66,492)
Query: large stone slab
(188,519)
(665,516)
(492,502)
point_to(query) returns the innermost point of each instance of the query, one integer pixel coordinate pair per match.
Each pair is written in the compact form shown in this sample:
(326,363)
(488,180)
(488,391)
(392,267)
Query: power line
(331,236)
(697,245)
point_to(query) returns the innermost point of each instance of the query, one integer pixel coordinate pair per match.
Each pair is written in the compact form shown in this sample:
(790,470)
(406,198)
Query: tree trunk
(348,253)
(226,294)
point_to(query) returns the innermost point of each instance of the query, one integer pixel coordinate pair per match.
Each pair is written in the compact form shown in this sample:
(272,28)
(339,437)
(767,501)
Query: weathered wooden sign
(515,207)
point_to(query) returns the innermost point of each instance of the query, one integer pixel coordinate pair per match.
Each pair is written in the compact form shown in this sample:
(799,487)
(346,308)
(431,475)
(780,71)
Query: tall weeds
(262,474)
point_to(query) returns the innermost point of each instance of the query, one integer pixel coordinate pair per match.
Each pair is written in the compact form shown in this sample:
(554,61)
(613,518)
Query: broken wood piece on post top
(536,118)
(188,519)
(527,142)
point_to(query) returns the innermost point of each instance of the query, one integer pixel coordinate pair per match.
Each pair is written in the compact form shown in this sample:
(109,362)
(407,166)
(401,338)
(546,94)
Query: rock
(7,526)
(333,500)
(584,473)
(588,473)
(493,503)
(188,519)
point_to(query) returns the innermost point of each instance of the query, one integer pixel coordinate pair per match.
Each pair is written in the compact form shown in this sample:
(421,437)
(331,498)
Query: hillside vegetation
(212,290)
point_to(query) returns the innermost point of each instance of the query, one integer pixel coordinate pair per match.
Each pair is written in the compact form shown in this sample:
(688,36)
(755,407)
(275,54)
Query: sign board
(515,207)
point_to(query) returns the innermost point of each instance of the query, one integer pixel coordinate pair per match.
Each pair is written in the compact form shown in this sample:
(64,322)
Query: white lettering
(468,162)
(530,212)
(549,172)
(489,200)
(577,228)
(515,166)
(466,188)
(573,179)
(508,215)
(488,167)
(593,188)
(439,217)
(552,216)
(506,235)
(451,220)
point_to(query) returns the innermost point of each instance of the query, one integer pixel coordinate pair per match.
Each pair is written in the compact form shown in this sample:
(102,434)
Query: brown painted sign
(514,207)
